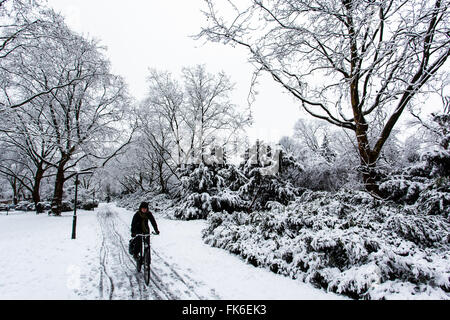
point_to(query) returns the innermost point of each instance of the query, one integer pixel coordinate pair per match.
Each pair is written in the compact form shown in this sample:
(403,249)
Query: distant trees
(437,144)
(153,150)
(165,104)
(28,142)
(195,112)
(13,170)
(178,121)
(209,110)
(326,154)
(356,64)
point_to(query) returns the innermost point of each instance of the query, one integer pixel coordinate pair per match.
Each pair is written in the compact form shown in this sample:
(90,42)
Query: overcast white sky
(142,34)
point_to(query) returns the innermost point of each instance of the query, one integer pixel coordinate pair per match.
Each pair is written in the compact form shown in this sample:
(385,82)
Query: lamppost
(77,182)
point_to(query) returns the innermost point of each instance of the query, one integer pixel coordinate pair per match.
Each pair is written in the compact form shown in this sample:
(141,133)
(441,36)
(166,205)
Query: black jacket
(140,225)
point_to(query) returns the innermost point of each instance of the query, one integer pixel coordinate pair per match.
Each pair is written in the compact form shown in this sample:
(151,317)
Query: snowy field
(39,260)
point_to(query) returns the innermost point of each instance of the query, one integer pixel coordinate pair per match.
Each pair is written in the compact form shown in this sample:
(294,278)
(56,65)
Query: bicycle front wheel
(139,264)
(146,264)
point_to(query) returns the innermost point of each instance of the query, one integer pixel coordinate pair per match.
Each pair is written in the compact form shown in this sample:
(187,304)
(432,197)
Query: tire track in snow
(103,270)
(113,265)
(117,266)
(161,270)
(128,272)
(124,252)
(155,280)
(159,285)
(185,279)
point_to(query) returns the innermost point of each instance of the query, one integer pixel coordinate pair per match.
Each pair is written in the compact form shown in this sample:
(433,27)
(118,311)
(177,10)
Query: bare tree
(24,132)
(309,133)
(84,117)
(20,19)
(290,146)
(209,111)
(155,152)
(13,169)
(354,63)
(24,27)
(179,121)
(165,99)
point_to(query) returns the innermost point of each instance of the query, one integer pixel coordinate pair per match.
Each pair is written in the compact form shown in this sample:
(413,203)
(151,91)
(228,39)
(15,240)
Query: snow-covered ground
(39,260)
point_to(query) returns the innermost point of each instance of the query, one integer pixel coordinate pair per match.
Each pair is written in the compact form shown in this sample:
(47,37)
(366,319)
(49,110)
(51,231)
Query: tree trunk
(37,184)
(161,179)
(15,192)
(59,189)
(370,179)
(368,161)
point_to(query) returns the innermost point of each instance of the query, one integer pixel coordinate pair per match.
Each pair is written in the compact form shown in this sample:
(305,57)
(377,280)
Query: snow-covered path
(118,276)
(47,264)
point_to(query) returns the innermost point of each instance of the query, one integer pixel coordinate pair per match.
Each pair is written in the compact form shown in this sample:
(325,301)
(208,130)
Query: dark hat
(143,205)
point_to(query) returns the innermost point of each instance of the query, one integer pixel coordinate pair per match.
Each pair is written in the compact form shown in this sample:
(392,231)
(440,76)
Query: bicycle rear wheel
(146,264)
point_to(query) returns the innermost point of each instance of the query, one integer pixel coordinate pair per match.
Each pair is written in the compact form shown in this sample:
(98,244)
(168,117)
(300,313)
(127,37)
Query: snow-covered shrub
(424,231)
(194,206)
(429,195)
(403,189)
(229,201)
(161,204)
(345,242)
(425,183)
(439,158)
(197,182)
(251,186)
(401,290)
(320,174)
(435,200)
(260,188)
(132,201)
(89,204)
(200,179)
(209,188)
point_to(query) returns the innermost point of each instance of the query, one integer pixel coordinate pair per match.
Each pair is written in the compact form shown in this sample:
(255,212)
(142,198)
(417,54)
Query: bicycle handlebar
(145,234)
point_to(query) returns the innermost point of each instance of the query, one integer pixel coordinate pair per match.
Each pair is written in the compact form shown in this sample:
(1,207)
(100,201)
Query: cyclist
(139,225)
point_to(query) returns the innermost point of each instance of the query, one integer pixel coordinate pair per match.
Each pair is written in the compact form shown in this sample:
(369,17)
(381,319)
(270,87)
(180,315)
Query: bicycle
(144,257)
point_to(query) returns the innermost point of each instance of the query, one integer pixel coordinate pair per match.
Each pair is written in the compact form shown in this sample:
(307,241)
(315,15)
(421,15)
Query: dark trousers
(138,244)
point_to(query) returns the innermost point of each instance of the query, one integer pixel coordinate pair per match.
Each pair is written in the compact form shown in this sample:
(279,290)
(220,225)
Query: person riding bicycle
(139,225)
